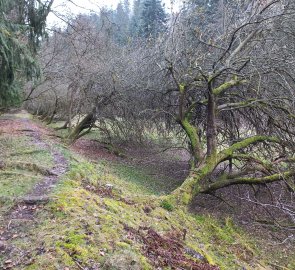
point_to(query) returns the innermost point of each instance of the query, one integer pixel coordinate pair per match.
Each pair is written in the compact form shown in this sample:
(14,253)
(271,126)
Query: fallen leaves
(167,250)
(106,190)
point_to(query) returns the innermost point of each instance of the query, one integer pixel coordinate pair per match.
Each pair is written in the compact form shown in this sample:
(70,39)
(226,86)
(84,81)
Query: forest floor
(82,207)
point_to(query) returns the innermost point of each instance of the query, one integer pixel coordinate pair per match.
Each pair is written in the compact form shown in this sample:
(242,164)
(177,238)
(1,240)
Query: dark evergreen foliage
(22,24)
(135,19)
(121,19)
(153,19)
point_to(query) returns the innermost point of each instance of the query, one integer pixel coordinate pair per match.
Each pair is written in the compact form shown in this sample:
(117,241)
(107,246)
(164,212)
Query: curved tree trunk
(196,183)
(192,134)
(87,123)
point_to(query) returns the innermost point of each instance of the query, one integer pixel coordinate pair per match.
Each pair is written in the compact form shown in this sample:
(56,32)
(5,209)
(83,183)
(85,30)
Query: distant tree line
(146,19)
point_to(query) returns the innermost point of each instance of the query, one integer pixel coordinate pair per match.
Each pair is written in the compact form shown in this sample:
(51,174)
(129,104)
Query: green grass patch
(22,149)
(18,181)
(11,186)
(143,179)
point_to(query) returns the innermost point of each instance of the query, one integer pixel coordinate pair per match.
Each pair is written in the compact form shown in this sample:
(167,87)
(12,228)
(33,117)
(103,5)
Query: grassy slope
(18,157)
(80,228)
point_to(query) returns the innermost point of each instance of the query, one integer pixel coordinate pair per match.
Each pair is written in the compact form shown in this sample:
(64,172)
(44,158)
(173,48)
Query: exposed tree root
(28,166)
(28,152)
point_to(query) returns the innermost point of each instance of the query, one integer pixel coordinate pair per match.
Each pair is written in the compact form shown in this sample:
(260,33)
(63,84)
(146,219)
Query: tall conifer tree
(153,18)
(22,24)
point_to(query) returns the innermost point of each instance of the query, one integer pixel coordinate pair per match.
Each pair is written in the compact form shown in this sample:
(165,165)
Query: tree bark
(247,180)
(211,124)
(54,111)
(192,133)
(196,182)
(87,123)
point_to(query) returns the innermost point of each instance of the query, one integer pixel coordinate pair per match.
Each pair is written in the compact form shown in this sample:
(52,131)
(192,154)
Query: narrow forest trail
(23,213)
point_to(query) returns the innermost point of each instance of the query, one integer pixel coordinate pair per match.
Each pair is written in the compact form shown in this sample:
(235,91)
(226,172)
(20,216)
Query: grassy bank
(108,216)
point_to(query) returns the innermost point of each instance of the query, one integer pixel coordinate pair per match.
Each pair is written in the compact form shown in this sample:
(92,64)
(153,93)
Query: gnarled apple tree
(234,89)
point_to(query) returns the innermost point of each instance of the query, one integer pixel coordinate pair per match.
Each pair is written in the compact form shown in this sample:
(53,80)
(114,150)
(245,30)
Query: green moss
(92,226)
(83,226)
(145,264)
(192,133)
(200,218)
(167,205)
(66,259)
(244,143)
(81,170)
(182,88)
(220,89)
(123,245)
(112,205)
(186,198)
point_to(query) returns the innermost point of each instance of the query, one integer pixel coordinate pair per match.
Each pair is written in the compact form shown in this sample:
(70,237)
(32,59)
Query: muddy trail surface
(20,219)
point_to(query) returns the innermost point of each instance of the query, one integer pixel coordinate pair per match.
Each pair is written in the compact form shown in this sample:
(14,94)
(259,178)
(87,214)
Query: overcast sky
(68,7)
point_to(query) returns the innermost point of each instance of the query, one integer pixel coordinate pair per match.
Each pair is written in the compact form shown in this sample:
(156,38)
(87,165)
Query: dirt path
(23,215)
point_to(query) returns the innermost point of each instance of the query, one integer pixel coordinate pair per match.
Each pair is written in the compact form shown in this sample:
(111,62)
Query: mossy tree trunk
(195,145)
(206,157)
(191,131)
(86,124)
(196,183)
(54,110)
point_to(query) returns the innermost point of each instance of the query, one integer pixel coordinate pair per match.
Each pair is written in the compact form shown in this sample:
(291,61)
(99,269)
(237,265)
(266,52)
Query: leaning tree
(234,93)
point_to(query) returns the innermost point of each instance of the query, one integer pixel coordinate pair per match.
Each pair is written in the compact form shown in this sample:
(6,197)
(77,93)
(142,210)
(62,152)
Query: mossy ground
(82,228)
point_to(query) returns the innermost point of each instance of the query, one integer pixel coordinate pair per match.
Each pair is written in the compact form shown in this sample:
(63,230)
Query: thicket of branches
(221,74)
